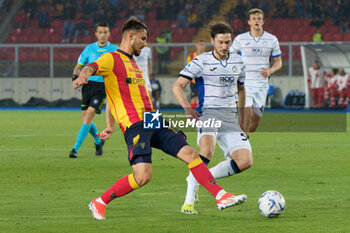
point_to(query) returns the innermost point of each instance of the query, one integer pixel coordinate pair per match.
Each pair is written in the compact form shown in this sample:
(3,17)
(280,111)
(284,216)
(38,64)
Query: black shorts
(94,95)
(140,142)
(194,91)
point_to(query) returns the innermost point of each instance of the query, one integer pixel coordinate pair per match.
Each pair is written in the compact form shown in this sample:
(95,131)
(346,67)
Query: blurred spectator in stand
(114,4)
(156,90)
(103,4)
(58,9)
(31,7)
(299,8)
(22,19)
(192,18)
(69,11)
(161,11)
(89,9)
(189,5)
(67,31)
(182,19)
(163,51)
(81,29)
(330,83)
(345,27)
(98,17)
(43,18)
(147,5)
(201,11)
(111,18)
(173,9)
(139,12)
(317,36)
(316,77)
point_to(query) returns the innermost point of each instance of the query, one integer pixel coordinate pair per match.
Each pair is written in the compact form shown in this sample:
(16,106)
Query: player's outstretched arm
(107,132)
(84,75)
(277,65)
(178,90)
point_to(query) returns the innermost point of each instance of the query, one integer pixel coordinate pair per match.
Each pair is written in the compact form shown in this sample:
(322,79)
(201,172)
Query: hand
(105,134)
(266,72)
(192,114)
(80,81)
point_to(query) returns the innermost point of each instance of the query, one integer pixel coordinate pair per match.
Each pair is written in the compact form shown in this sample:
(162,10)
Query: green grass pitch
(42,190)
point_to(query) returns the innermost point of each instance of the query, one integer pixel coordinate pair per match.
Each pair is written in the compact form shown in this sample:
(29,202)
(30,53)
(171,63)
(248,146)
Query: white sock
(220,194)
(222,169)
(99,200)
(192,187)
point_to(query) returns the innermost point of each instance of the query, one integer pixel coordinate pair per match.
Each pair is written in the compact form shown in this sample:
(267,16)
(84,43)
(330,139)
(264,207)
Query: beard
(135,51)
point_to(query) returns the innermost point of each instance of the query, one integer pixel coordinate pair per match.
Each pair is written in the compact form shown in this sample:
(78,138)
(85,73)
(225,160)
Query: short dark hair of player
(133,23)
(219,27)
(102,24)
(255,11)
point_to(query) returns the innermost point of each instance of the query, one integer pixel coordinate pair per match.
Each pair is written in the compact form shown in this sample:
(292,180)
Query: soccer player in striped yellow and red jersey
(128,99)
(200,48)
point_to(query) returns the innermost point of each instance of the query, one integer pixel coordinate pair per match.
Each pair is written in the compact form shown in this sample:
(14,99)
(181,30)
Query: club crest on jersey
(235,69)
(264,43)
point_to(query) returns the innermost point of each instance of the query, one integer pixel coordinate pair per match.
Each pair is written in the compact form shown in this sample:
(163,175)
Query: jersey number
(244,137)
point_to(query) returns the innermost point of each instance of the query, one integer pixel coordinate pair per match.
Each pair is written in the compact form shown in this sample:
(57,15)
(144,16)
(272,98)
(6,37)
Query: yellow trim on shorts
(132,182)
(194,163)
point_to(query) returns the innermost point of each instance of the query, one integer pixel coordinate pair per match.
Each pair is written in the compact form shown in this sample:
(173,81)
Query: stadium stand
(292,24)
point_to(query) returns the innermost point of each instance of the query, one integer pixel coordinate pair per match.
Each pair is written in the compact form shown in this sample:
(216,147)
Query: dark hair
(133,23)
(219,27)
(255,11)
(102,24)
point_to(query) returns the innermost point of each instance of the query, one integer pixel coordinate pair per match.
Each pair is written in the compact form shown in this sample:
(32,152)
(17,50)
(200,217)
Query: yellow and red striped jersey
(125,87)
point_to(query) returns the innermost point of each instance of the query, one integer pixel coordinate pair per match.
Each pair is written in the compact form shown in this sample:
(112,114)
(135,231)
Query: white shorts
(256,98)
(229,135)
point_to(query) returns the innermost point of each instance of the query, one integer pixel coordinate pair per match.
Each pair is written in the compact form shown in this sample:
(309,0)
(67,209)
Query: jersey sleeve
(193,70)
(276,51)
(103,65)
(236,46)
(241,77)
(84,57)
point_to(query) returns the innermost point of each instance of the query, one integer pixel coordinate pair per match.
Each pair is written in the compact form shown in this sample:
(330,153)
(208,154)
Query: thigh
(259,102)
(170,140)
(98,96)
(138,142)
(230,142)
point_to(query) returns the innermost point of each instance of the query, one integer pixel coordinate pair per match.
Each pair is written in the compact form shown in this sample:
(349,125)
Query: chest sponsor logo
(257,51)
(137,81)
(227,81)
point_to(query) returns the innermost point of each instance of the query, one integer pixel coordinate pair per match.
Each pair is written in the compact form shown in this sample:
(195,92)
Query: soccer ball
(271,204)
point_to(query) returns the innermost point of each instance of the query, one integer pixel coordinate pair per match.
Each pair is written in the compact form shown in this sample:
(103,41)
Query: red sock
(202,174)
(122,187)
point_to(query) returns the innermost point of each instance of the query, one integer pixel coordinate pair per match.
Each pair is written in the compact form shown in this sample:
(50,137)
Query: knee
(244,161)
(143,178)
(207,152)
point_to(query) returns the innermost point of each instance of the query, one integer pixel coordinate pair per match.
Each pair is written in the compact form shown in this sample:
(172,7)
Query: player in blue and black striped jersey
(93,94)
